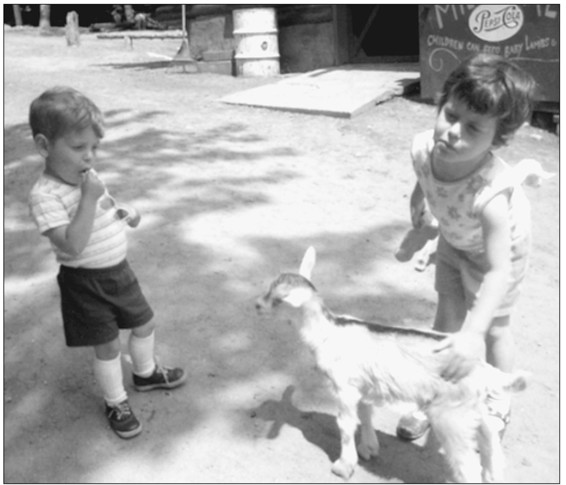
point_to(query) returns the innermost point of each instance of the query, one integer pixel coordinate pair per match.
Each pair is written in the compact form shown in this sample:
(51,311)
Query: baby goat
(372,364)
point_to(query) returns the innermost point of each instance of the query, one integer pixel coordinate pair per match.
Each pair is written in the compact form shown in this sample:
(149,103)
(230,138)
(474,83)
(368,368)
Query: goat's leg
(465,466)
(491,452)
(369,445)
(347,421)
(456,429)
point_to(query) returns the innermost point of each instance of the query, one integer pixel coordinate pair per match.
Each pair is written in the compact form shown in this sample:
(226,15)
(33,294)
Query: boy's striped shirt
(54,204)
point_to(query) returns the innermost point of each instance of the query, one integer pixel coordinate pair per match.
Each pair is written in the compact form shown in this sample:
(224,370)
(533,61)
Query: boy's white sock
(108,374)
(142,353)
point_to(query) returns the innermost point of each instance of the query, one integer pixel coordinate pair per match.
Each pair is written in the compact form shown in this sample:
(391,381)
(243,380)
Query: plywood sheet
(342,91)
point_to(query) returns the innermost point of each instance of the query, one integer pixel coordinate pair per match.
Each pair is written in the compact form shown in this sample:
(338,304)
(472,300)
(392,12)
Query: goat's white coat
(370,368)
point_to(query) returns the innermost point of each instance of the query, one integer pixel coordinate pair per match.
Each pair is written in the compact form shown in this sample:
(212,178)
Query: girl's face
(462,138)
(72,155)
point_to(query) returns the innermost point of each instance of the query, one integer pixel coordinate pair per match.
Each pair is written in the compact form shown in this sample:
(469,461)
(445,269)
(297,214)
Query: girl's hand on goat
(464,349)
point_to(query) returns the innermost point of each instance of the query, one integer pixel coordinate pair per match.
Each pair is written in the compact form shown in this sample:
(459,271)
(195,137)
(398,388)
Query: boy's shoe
(123,420)
(162,378)
(412,426)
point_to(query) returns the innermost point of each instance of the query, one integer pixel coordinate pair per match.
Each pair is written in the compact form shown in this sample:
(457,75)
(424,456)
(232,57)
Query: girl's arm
(468,345)
(417,205)
(497,240)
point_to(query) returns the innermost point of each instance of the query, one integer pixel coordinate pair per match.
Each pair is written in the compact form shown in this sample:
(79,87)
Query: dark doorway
(384,33)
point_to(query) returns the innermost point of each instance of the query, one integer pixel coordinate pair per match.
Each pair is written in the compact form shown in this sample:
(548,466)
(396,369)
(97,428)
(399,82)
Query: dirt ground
(230,196)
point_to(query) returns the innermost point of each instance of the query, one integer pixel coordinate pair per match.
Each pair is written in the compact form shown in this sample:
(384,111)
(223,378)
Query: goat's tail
(488,379)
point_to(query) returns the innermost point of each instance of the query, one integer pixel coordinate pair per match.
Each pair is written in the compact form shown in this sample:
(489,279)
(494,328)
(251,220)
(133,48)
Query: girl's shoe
(499,413)
(162,378)
(412,426)
(122,420)
(499,422)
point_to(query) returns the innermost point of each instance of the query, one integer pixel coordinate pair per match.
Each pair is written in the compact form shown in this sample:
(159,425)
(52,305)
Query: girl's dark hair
(60,110)
(492,85)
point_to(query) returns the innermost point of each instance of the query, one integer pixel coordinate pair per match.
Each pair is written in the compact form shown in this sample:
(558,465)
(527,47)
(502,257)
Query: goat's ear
(307,265)
(297,297)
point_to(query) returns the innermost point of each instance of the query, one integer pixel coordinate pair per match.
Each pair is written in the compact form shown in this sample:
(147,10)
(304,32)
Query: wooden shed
(310,36)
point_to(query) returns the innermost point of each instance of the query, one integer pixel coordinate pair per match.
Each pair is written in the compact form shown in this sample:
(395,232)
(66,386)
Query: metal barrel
(257,47)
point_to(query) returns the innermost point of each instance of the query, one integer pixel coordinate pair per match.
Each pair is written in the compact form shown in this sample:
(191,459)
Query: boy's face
(72,155)
(461,135)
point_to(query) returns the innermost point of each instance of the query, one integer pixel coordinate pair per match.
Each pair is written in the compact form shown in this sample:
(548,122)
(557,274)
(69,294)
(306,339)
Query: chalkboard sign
(529,35)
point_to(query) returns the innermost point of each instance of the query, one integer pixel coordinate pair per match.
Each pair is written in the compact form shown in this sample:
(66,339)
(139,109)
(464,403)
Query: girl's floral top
(457,205)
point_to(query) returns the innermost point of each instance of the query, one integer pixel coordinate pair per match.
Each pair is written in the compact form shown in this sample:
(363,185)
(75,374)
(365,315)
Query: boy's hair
(492,85)
(61,110)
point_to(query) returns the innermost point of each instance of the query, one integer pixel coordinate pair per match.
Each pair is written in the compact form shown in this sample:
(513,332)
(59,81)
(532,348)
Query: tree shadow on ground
(32,320)
(210,325)
(141,65)
(55,430)
(156,151)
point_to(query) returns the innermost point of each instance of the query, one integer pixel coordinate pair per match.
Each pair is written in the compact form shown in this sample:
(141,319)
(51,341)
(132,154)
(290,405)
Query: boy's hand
(129,214)
(92,187)
(465,349)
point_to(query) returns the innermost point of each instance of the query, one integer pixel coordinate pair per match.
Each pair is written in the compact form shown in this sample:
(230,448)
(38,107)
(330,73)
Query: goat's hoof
(343,469)
(489,476)
(368,450)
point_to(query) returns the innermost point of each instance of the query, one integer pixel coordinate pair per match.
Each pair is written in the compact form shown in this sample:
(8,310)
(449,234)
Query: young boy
(87,231)
(483,219)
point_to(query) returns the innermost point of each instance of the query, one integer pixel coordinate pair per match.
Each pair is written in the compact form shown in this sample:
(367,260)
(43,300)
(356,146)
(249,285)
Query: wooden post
(72,29)
(129,13)
(17,15)
(44,18)
(367,26)
(340,21)
(183,56)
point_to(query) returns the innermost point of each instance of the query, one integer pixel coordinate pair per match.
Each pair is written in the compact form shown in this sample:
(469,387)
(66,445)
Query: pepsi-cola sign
(496,23)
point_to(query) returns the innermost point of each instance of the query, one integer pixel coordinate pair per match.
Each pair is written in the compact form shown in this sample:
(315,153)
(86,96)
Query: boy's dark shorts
(97,303)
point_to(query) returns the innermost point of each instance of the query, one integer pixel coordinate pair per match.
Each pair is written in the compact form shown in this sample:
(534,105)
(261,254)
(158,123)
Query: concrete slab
(344,91)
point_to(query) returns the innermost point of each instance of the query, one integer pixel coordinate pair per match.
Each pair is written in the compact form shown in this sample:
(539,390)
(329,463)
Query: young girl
(483,218)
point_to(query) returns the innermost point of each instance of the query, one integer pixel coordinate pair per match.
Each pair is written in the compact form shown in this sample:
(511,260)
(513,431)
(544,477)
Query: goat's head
(291,288)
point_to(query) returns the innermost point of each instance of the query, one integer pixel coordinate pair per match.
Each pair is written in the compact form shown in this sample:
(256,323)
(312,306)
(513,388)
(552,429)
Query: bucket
(257,48)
